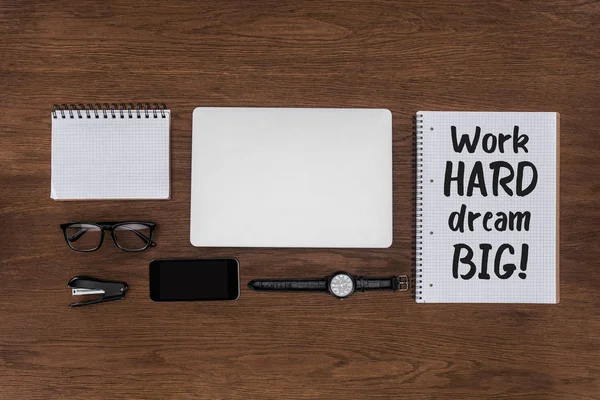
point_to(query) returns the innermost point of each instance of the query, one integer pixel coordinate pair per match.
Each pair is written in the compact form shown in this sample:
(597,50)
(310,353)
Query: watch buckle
(403,283)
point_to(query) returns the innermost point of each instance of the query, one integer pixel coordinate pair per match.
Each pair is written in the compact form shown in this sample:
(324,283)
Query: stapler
(84,286)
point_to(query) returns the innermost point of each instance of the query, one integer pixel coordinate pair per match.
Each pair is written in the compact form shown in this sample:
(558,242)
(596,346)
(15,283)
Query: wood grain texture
(405,56)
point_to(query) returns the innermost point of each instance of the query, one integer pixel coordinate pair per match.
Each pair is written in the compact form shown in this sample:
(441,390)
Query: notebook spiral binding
(106,110)
(419,208)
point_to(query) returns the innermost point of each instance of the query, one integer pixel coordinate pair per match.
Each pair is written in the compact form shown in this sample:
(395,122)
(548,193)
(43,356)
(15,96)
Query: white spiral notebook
(487,207)
(110,152)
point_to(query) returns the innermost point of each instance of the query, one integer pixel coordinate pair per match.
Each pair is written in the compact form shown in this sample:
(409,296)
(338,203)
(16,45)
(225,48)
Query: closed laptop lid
(291,177)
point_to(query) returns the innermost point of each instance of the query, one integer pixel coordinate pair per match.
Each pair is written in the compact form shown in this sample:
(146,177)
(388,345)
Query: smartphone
(195,280)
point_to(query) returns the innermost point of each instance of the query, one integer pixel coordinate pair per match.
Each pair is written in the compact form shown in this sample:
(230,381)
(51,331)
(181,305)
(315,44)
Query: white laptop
(291,177)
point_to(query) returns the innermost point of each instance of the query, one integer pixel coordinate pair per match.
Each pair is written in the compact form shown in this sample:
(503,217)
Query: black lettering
(485,248)
(520,171)
(472,217)
(477,180)
(465,140)
(508,268)
(486,217)
(486,146)
(500,223)
(519,140)
(518,220)
(465,260)
(497,181)
(503,138)
(456,220)
(524,256)
(459,178)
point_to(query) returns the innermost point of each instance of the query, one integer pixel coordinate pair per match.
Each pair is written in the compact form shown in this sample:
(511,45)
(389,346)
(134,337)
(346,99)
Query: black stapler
(83,286)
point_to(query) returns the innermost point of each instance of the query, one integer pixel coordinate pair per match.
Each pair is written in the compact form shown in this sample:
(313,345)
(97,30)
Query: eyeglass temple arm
(74,237)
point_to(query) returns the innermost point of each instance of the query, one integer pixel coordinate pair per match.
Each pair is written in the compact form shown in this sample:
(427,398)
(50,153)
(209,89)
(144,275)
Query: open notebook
(110,152)
(487,207)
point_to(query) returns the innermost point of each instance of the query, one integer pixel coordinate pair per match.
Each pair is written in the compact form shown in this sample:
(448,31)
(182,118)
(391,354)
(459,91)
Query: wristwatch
(341,284)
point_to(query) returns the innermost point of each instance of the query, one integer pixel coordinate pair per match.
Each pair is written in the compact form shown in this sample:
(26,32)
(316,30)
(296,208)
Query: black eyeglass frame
(110,226)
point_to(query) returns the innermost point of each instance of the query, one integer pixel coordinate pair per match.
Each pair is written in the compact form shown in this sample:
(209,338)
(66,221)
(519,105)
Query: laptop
(291,177)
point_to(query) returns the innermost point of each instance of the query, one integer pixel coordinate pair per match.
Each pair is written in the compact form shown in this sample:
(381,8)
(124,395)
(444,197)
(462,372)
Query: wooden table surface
(404,56)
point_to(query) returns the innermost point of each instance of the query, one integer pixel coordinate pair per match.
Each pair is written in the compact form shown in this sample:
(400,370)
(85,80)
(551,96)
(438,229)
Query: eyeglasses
(127,236)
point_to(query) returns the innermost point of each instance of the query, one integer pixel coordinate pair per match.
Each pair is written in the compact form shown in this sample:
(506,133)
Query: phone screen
(194,280)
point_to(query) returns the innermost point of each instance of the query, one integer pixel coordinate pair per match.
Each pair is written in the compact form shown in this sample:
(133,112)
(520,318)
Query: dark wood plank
(405,56)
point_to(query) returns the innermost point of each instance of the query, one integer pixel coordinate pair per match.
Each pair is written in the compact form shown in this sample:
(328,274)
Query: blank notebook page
(110,158)
(496,275)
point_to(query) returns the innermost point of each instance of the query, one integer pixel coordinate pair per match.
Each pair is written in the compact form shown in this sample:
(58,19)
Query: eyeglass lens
(132,236)
(84,237)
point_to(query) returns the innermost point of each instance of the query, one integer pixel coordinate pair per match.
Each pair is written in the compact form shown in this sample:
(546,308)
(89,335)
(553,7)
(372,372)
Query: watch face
(341,285)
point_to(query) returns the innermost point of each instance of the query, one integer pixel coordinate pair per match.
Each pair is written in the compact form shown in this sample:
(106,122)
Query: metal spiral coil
(419,207)
(114,110)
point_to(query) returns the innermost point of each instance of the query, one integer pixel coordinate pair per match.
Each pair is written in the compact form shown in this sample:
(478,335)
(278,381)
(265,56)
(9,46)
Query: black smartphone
(195,280)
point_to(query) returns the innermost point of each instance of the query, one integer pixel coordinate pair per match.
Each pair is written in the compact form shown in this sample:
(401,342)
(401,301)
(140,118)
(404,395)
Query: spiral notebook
(487,207)
(110,152)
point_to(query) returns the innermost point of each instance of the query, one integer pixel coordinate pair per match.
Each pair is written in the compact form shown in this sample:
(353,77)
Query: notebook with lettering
(487,207)
(110,152)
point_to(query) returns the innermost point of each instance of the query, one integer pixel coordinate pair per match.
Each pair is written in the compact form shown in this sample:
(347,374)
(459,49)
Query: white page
(436,281)
(110,158)
(277,177)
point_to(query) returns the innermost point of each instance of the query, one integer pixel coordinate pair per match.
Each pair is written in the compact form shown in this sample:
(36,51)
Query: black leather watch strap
(394,283)
(314,285)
